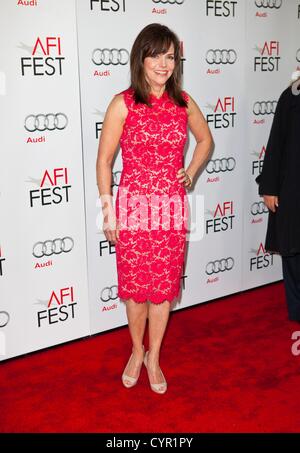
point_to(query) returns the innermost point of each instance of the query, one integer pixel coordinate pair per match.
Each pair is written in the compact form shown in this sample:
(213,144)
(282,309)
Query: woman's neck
(157,91)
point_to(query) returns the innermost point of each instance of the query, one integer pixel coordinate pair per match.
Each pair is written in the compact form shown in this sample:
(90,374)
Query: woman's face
(158,69)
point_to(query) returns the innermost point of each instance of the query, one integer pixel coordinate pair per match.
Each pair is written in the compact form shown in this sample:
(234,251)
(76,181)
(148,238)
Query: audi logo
(264,107)
(4,318)
(221,56)
(259,208)
(53,247)
(110,56)
(214,267)
(116,176)
(171,2)
(221,165)
(298,55)
(49,122)
(268,3)
(109,293)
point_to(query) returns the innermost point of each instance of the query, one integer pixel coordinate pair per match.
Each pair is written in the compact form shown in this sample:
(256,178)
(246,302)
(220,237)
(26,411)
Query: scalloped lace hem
(154,299)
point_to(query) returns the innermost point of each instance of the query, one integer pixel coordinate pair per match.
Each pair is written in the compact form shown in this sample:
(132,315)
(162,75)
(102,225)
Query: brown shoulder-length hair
(155,39)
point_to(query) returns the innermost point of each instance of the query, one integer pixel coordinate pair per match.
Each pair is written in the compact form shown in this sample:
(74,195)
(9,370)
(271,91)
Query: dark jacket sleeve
(269,179)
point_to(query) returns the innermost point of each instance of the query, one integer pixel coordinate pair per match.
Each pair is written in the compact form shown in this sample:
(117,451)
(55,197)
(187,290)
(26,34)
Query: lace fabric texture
(151,205)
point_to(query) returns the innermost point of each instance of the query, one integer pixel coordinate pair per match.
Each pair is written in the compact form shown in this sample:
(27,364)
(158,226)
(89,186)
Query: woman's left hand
(184,177)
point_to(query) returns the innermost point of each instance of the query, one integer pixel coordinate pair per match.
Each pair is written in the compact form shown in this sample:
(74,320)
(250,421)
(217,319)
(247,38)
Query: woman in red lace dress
(149,223)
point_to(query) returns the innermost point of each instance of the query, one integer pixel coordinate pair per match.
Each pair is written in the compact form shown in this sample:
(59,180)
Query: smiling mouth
(161,72)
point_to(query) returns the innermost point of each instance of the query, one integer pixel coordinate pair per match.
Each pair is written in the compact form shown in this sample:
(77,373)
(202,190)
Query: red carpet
(228,364)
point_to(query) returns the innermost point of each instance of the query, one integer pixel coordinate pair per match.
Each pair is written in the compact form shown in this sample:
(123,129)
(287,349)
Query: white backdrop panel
(45,290)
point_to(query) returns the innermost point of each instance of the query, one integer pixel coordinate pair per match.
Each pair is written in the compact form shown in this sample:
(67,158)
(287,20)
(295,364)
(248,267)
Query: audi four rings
(110,56)
(49,122)
(221,56)
(264,107)
(53,247)
(214,267)
(259,208)
(268,3)
(4,318)
(109,293)
(171,2)
(221,165)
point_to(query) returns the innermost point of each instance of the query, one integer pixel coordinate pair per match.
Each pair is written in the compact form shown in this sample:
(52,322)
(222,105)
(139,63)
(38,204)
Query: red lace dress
(151,205)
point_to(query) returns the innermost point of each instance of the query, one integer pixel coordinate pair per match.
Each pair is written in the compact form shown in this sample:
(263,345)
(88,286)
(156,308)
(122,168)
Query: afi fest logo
(262,259)
(57,193)
(224,113)
(2,259)
(46,57)
(221,8)
(269,58)
(59,307)
(257,164)
(222,218)
(106,6)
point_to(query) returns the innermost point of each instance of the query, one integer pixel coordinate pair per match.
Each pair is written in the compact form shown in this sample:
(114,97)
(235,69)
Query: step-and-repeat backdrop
(62,61)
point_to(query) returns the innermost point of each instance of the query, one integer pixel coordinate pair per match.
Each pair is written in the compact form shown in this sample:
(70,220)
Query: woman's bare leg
(137,316)
(158,320)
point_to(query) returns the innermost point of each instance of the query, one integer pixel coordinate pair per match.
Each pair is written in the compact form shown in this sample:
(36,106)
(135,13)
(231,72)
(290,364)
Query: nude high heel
(129,381)
(157,388)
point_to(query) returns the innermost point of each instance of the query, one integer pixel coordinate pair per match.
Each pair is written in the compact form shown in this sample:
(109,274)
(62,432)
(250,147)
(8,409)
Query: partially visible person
(279,184)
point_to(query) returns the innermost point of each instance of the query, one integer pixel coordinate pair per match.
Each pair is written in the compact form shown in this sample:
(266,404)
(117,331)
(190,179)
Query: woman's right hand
(271,201)
(111,228)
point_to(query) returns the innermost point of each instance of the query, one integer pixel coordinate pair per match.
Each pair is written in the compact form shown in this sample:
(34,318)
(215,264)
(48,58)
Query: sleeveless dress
(151,204)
